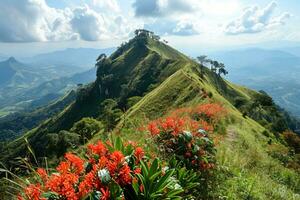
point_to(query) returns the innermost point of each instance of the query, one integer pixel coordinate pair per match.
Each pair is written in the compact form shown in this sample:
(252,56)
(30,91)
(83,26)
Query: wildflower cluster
(185,134)
(102,175)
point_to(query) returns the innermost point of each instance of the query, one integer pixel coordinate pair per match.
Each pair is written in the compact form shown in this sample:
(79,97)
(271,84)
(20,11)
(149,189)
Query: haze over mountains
(44,76)
(275,71)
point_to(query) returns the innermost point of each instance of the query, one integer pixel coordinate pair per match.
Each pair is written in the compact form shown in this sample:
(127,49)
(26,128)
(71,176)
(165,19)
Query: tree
(222,70)
(202,60)
(110,113)
(87,128)
(101,57)
(214,65)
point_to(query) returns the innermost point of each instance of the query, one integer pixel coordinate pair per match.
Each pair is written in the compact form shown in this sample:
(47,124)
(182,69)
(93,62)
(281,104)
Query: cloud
(35,21)
(87,24)
(172,27)
(162,8)
(255,19)
(108,5)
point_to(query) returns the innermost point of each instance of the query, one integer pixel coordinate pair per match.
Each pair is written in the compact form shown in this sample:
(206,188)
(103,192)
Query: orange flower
(63,167)
(137,171)
(76,162)
(124,175)
(117,157)
(42,173)
(154,130)
(98,149)
(33,192)
(139,153)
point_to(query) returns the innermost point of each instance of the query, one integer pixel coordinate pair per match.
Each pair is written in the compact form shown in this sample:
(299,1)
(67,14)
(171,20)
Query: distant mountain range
(45,77)
(275,71)
(80,57)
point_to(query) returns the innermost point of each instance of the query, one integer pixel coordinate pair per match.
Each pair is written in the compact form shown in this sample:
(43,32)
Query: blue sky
(34,26)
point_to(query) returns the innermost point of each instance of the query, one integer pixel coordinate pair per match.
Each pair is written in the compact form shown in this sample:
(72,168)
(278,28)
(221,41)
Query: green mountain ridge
(160,79)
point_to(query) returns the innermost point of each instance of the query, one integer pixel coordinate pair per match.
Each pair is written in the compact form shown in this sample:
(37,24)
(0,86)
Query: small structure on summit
(145,33)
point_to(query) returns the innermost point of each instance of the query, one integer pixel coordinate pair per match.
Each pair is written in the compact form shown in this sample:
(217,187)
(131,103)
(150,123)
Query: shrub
(110,170)
(86,128)
(293,140)
(185,134)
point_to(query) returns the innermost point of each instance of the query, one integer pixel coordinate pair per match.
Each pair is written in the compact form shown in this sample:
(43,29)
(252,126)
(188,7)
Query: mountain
(17,75)
(145,79)
(44,76)
(18,123)
(274,71)
(80,57)
(7,70)
(295,50)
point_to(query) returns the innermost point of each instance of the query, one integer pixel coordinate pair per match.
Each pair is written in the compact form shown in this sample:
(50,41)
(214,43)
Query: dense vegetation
(16,124)
(182,125)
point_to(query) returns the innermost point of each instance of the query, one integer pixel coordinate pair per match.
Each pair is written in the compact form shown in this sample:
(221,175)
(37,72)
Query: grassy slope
(248,171)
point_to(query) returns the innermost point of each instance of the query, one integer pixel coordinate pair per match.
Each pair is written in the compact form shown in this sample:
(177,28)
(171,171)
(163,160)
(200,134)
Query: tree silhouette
(222,70)
(101,57)
(202,60)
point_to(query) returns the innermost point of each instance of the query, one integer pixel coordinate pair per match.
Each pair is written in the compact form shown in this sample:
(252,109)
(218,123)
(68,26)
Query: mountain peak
(12,59)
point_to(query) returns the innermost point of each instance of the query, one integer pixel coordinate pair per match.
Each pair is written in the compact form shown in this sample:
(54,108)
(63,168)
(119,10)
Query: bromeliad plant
(110,170)
(185,134)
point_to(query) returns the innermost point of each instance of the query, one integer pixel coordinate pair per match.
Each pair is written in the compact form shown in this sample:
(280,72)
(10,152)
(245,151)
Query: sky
(29,27)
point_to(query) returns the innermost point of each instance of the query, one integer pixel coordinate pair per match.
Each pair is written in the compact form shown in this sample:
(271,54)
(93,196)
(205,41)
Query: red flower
(139,153)
(19,197)
(63,185)
(105,194)
(98,149)
(33,192)
(76,162)
(154,130)
(42,173)
(117,157)
(137,171)
(63,167)
(124,175)
(86,186)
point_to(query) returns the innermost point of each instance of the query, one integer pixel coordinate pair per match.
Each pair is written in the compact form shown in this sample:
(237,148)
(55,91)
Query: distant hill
(45,92)
(7,70)
(44,76)
(18,123)
(292,50)
(80,57)
(17,75)
(275,71)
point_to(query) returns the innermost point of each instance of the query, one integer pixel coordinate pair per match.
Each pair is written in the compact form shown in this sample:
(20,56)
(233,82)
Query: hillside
(268,71)
(145,79)
(18,123)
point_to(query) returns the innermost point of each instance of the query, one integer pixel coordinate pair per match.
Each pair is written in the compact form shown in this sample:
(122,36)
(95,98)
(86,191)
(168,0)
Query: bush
(111,170)
(293,140)
(185,134)
(86,128)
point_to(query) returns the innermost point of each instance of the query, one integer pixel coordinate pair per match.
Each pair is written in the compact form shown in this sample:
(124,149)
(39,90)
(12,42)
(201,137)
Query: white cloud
(172,27)
(108,5)
(162,8)
(255,19)
(34,20)
(87,23)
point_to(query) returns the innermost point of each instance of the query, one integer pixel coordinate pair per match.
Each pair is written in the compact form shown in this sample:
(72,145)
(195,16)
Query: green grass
(245,168)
